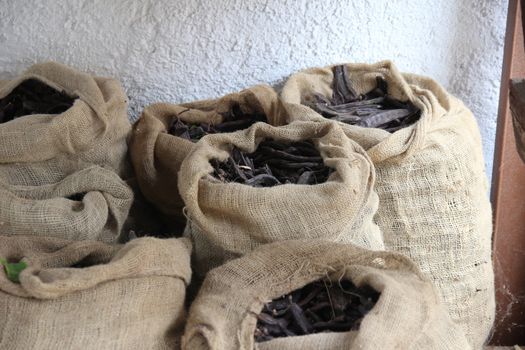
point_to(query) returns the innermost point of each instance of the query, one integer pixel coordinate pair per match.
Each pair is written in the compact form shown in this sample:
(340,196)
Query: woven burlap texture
(77,204)
(408,314)
(90,295)
(93,130)
(157,156)
(227,220)
(431,182)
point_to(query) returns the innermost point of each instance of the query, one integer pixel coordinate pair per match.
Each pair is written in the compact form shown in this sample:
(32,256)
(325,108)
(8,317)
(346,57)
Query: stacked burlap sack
(408,314)
(227,220)
(93,130)
(78,295)
(59,171)
(433,204)
(157,155)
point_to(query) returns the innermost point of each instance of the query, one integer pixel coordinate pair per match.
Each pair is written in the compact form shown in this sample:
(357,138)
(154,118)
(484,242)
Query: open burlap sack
(89,203)
(157,155)
(431,182)
(93,130)
(90,295)
(408,314)
(227,220)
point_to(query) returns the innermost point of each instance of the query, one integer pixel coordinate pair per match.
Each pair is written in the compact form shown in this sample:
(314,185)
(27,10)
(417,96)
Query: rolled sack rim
(51,283)
(99,206)
(112,184)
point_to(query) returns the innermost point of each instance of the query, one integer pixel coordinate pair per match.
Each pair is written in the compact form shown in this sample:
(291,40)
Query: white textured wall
(183,50)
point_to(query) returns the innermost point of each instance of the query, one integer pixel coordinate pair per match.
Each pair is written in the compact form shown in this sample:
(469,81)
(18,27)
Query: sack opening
(375,109)
(233,120)
(320,306)
(274,163)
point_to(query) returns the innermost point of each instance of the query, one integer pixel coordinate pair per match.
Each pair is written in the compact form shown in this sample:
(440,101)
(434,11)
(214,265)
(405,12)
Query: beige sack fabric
(227,220)
(431,182)
(408,314)
(93,130)
(156,155)
(90,203)
(90,295)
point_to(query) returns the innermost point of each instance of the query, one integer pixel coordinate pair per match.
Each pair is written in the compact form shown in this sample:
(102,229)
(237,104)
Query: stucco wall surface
(183,50)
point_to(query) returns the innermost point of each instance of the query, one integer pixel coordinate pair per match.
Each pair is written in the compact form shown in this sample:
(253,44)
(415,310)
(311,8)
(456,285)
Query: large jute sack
(408,314)
(157,155)
(91,295)
(93,130)
(228,220)
(89,203)
(431,182)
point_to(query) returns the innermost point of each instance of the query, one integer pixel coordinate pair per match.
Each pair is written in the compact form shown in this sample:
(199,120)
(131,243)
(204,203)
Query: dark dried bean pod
(384,117)
(290,156)
(300,319)
(267,319)
(263,180)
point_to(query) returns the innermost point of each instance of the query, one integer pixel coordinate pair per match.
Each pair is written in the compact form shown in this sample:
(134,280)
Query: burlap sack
(227,220)
(408,314)
(90,203)
(90,295)
(433,203)
(156,155)
(93,130)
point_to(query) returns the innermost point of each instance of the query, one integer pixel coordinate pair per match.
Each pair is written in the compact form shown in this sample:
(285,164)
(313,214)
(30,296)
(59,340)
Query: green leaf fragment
(13,270)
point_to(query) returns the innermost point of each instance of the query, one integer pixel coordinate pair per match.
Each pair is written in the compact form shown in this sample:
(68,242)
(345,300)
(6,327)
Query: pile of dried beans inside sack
(375,109)
(317,307)
(234,120)
(33,97)
(274,163)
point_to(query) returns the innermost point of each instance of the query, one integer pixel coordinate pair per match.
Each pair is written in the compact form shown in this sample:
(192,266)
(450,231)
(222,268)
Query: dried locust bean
(375,109)
(317,307)
(233,121)
(274,163)
(33,97)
